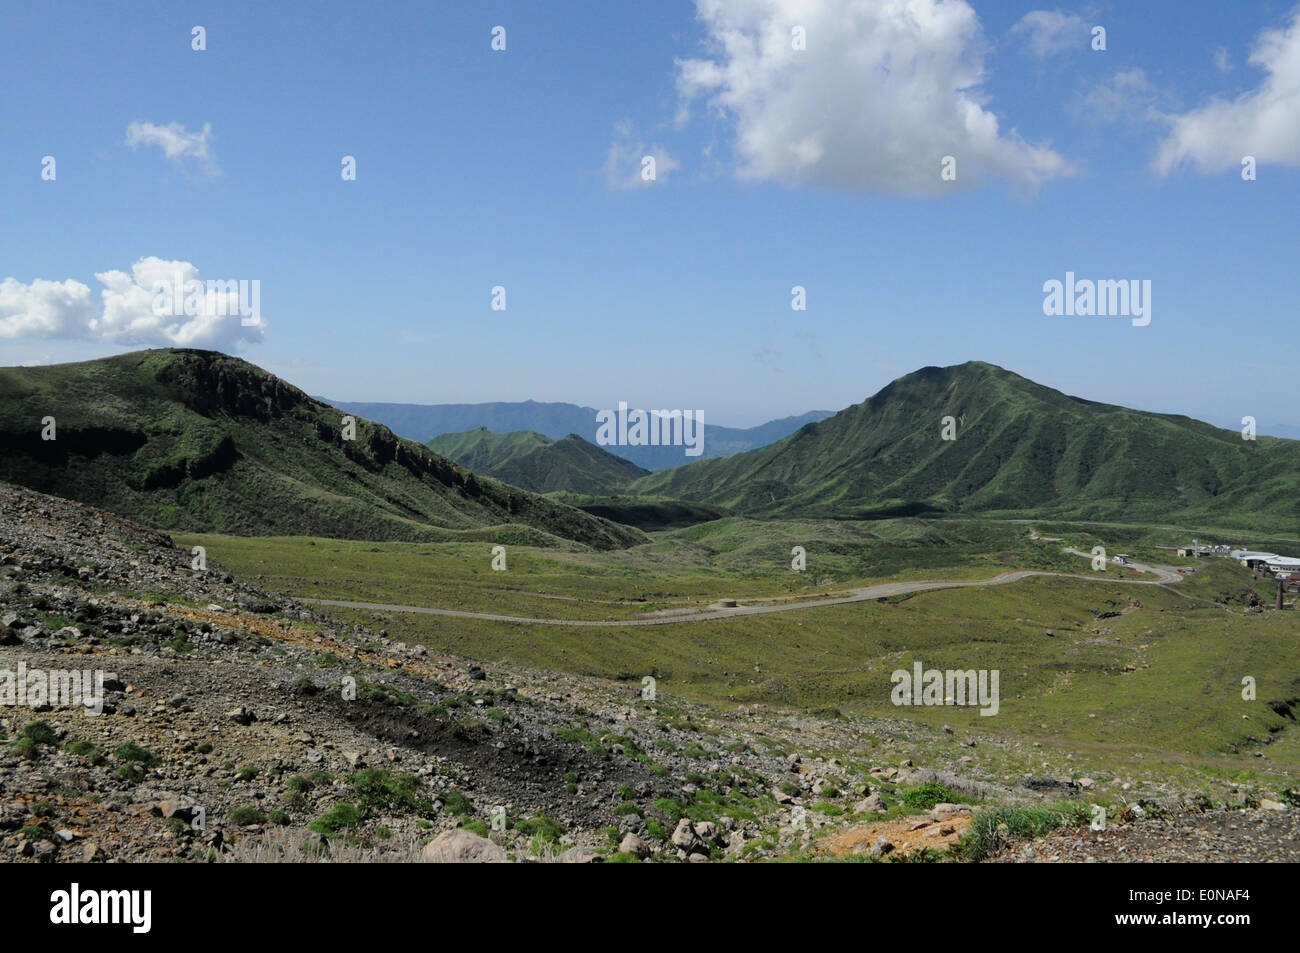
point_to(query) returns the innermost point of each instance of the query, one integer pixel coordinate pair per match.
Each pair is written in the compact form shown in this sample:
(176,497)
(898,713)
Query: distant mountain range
(1020,450)
(199,441)
(423,422)
(1281,430)
(534,462)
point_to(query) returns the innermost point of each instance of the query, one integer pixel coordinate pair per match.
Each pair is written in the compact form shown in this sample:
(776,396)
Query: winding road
(1166,575)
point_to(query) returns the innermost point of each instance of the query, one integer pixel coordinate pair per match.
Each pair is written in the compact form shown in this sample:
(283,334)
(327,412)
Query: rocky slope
(227,733)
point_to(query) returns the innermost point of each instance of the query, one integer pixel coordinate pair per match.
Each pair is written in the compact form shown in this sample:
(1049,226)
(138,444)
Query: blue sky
(776,167)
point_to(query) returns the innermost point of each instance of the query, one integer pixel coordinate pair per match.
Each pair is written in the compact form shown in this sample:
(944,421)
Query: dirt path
(866,594)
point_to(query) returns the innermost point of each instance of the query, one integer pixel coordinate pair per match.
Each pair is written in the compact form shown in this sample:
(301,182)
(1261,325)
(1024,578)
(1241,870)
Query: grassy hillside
(201,441)
(481,449)
(1021,449)
(529,460)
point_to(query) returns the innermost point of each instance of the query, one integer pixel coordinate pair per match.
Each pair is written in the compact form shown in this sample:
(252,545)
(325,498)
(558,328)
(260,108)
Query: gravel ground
(1217,836)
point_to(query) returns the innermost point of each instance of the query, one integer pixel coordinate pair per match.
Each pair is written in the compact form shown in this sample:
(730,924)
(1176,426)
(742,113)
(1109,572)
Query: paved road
(866,594)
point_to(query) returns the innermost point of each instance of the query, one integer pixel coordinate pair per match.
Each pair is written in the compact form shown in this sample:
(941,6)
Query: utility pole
(1279,591)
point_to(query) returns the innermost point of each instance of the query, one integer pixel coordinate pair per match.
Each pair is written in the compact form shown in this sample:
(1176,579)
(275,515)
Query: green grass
(928,795)
(246,816)
(339,818)
(547,830)
(993,829)
(384,792)
(40,733)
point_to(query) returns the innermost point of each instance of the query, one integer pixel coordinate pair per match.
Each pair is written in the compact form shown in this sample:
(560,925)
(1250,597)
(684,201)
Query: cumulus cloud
(176,142)
(1264,122)
(136,309)
(44,309)
(625,161)
(882,92)
(1048,32)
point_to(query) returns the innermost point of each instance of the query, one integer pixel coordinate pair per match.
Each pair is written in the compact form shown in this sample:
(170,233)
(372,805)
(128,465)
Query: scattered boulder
(462,847)
(872,802)
(241,716)
(579,855)
(631,844)
(684,836)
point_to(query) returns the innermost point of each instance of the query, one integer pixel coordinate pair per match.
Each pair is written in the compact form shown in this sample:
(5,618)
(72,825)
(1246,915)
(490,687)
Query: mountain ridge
(555,420)
(531,461)
(1021,449)
(193,440)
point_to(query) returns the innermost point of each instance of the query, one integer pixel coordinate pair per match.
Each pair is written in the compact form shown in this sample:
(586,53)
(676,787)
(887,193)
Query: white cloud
(1222,60)
(1048,32)
(1264,123)
(1128,94)
(625,160)
(126,314)
(176,142)
(43,309)
(884,90)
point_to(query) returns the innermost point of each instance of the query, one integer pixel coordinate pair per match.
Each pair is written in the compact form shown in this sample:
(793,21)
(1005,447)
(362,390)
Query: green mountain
(481,450)
(529,460)
(1021,449)
(555,420)
(200,441)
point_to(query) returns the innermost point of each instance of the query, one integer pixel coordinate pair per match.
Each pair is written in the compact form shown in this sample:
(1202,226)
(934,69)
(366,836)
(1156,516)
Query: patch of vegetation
(246,816)
(378,691)
(547,829)
(41,733)
(990,831)
(383,792)
(457,803)
(928,795)
(84,749)
(340,817)
(26,748)
(135,760)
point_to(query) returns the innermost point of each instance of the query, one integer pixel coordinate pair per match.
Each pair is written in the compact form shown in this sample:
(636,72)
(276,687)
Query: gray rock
(706,831)
(684,836)
(579,855)
(872,802)
(631,844)
(241,716)
(462,847)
